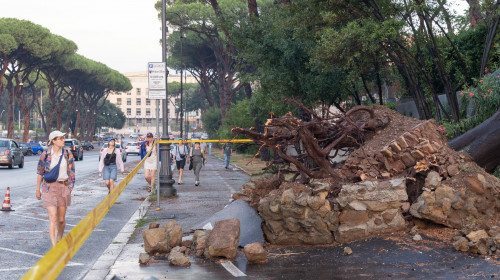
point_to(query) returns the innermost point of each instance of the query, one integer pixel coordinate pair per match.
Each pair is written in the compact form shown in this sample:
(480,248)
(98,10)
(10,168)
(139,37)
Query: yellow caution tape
(207,141)
(56,259)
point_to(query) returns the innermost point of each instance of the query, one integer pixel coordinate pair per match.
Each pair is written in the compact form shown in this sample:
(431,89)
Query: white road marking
(231,268)
(31,254)
(39,219)
(28,268)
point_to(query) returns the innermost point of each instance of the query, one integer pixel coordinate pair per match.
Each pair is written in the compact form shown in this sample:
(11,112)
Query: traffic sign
(157,86)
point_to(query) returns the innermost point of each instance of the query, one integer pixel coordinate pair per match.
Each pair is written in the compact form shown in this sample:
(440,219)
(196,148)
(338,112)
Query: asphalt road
(24,232)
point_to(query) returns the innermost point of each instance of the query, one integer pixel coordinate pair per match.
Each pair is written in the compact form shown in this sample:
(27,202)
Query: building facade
(140,111)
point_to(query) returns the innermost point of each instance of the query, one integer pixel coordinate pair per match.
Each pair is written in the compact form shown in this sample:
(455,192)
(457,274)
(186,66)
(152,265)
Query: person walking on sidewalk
(111,160)
(180,157)
(228,151)
(150,163)
(56,177)
(197,155)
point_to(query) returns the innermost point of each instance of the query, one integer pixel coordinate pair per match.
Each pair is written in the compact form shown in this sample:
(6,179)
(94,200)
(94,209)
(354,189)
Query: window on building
(139,120)
(138,101)
(148,101)
(138,111)
(129,111)
(119,93)
(148,121)
(148,111)
(129,93)
(129,101)
(118,101)
(138,91)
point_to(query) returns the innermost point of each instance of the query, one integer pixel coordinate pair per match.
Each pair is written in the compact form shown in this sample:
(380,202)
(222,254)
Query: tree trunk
(475,16)
(482,143)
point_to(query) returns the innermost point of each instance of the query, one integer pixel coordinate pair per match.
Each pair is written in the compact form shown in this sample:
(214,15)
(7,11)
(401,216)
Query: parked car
(10,153)
(87,146)
(36,148)
(44,146)
(133,136)
(75,147)
(133,148)
(117,146)
(26,149)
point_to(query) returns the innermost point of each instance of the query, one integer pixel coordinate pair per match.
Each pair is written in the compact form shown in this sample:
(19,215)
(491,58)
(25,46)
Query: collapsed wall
(406,163)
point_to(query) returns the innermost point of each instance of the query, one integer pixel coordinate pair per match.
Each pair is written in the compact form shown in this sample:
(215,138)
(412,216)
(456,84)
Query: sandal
(149,189)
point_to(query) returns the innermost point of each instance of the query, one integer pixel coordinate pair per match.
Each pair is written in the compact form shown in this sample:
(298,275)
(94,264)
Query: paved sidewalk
(192,206)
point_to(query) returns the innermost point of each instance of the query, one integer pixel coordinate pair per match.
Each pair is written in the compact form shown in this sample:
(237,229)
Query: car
(133,148)
(75,147)
(26,149)
(117,146)
(87,146)
(10,153)
(133,136)
(44,146)
(36,148)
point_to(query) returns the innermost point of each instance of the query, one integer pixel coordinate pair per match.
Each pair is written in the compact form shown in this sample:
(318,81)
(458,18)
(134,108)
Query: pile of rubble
(405,171)
(220,242)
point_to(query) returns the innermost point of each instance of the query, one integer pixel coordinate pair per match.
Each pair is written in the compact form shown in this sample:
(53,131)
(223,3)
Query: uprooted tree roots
(318,140)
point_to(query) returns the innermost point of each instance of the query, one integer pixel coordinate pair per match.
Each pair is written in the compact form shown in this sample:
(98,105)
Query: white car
(133,148)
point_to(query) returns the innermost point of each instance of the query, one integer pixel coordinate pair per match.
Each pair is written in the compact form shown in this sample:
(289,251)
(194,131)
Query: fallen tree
(318,140)
(482,143)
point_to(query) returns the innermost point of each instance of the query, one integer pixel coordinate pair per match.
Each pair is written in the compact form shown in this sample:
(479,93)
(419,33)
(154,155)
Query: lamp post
(166,188)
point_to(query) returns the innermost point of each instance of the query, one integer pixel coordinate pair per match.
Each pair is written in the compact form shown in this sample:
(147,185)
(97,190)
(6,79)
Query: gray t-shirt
(180,152)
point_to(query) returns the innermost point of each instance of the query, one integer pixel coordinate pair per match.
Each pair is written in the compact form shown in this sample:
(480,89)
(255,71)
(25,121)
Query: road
(24,232)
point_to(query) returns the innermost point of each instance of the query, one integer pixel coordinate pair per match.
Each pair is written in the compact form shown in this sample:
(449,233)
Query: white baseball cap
(54,134)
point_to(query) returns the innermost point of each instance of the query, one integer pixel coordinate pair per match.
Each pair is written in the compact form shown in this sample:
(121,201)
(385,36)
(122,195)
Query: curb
(101,267)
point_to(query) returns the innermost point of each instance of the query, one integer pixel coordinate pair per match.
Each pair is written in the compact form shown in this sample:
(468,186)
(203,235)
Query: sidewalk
(192,206)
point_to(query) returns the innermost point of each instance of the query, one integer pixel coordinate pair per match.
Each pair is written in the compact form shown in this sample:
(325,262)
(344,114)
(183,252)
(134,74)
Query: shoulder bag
(52,175)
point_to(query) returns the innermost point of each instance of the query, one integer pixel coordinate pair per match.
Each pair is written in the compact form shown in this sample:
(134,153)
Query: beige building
(141,111)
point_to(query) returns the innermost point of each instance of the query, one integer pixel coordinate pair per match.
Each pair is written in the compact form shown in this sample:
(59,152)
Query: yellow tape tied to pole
(56,259)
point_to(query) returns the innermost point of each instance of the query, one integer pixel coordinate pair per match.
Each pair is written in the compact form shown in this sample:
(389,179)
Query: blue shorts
(109,172)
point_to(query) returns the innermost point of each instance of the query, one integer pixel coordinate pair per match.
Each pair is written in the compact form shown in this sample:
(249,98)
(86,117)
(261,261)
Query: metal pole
(166,182)
(182,92)
(157,174)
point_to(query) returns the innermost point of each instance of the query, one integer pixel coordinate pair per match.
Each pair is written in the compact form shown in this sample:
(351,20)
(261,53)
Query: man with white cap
(56,177)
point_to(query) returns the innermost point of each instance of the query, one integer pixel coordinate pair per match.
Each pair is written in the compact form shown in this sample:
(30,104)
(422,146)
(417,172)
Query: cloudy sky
(123,34)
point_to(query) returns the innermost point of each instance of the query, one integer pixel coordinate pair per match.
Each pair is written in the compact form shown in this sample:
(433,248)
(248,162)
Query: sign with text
(156,80)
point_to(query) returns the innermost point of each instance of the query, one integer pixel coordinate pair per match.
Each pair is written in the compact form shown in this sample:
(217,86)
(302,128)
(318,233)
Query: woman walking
(150,163)
(197,155)
(111,160)
(179,155)
(55,180)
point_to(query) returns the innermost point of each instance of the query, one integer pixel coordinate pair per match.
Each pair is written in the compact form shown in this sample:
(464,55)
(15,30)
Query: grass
(143,222)
(243,161)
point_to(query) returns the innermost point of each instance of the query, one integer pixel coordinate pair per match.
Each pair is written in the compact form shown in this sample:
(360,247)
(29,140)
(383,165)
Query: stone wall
(303,215)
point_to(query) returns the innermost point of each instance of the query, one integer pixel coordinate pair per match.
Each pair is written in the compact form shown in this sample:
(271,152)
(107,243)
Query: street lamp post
(166,182)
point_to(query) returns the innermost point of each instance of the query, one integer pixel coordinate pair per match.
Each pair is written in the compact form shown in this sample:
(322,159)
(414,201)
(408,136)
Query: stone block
(155,241)
(433,180)
(224,238)
(255,253)
(474,185)
(350,233)
(408,160)
(474,236)
(353,217)
(177,258)
(443,191)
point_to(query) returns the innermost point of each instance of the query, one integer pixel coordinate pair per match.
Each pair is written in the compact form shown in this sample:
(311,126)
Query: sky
(123,34)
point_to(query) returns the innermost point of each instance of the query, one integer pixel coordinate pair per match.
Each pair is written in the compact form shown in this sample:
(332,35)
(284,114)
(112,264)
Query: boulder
(155,241)
(144,258)
(475,236)
(255,253)
(176,257)
(462,244)
(174,233)
(224,238)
